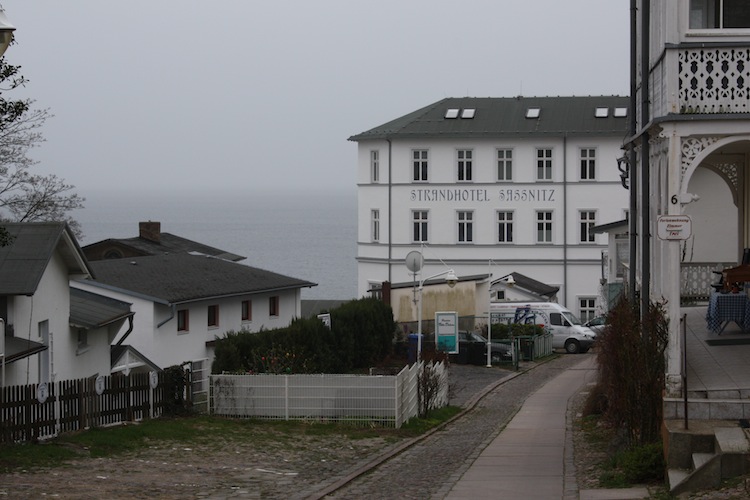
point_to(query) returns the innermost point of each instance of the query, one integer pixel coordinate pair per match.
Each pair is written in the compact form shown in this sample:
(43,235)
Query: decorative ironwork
(692,147)
(714,80)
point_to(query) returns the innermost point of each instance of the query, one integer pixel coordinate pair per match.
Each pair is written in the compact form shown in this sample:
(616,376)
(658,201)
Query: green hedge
(361,335)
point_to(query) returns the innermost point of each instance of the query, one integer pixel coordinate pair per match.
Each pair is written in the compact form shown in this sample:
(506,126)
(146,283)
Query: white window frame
(587,221)
(420,226)
(587,308)
(544,158)
(587,161)
(374,166)
(709,12)
(375,225)
(465,226)
(504,226)
(544,221)
(420,161)
(464,163)
(504,163)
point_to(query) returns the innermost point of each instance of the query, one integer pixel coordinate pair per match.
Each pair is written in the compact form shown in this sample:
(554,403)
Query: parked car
(596,324)
(472,348)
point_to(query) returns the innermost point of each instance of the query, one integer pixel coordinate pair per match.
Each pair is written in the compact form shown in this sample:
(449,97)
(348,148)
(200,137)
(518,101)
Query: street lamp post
(451,279)
(508,281)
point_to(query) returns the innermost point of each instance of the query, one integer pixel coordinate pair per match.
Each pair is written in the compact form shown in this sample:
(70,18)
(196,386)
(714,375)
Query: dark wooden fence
(72,405)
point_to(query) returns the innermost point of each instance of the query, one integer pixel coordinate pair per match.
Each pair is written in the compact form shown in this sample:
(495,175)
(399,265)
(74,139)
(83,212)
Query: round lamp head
(451,278)
(510,281)
(6,32)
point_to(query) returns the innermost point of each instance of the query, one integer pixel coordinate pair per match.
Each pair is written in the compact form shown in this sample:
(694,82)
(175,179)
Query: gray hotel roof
(182,277)
(496,117)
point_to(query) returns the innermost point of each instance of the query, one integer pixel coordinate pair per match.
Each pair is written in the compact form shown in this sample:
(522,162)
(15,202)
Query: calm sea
(306,236)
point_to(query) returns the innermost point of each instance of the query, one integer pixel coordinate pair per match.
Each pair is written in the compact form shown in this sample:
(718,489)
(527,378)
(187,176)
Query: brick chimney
(150,231)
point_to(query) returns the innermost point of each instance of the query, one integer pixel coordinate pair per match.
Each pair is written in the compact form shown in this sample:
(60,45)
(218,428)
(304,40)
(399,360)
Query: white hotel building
(496,185)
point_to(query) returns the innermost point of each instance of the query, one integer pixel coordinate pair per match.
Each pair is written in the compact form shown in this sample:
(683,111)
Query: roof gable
(24,261)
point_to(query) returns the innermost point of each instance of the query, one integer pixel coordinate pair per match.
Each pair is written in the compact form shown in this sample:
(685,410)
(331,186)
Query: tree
(27,197)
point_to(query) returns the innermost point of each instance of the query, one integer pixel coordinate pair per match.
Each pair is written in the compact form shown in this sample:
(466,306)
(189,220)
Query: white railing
(696,279)
(388,400)
(200,370)
(714,79)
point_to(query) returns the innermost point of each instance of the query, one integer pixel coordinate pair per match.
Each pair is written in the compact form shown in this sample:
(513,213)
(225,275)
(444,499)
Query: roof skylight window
(621,112)
(601,112)
(452,113)
(533,112)
(468,113)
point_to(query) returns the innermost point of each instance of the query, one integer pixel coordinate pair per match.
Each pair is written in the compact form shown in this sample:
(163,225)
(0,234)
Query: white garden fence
(388,400)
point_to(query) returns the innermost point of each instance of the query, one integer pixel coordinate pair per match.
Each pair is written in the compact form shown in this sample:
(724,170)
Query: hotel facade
(494,186)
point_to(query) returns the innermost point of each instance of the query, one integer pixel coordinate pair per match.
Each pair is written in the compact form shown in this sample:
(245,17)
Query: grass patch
(200,431)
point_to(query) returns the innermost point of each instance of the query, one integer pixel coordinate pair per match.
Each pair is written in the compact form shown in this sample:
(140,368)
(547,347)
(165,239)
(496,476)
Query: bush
(361,335)
(503,331)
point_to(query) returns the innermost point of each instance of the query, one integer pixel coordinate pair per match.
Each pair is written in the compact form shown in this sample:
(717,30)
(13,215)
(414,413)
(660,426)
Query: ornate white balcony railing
(714,80)
(696,279)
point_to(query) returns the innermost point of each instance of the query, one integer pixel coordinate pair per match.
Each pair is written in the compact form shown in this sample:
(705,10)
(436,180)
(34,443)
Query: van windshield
(572,318)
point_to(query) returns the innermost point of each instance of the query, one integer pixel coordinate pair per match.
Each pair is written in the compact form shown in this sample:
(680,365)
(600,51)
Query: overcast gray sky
(243,94)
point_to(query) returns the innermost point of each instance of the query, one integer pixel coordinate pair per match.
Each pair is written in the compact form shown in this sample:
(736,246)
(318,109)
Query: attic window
(468,113)
(601,112)
(621,112)
(533,112)
(452,113)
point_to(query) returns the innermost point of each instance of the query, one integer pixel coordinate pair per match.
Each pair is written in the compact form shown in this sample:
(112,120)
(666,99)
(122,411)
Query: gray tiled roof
(183,277)
(530,284)
(168,243)
(24,260)
(90,310)
(506,117)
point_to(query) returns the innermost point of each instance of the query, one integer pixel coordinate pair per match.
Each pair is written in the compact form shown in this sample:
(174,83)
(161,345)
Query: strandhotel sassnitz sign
(674,227)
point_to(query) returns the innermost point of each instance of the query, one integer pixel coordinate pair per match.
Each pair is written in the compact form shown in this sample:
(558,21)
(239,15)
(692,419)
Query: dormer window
(468,113)
(533,112)
(621,112)
(601,112)
(452,113)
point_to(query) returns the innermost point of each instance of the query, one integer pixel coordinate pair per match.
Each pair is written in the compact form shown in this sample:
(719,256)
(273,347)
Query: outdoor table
(725,308)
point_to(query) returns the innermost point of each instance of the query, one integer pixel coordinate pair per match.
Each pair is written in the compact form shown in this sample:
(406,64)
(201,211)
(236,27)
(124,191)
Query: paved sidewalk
(533,457)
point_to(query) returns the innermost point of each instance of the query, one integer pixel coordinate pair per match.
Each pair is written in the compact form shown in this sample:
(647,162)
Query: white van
(567,330)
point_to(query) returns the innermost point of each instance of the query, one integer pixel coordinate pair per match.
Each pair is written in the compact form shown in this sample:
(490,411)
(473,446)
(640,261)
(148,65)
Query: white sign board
(674,227)
(446,331)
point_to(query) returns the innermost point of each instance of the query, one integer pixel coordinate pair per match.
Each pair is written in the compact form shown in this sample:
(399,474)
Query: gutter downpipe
(390,210)
(565,216)
(645,167)
(126,334)
(170,318)
(633,157)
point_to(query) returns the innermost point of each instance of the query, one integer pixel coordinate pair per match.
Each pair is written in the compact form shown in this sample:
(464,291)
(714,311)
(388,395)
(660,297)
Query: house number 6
(674,199)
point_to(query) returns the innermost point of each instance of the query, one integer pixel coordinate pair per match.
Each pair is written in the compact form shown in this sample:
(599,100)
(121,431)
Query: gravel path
(430,468)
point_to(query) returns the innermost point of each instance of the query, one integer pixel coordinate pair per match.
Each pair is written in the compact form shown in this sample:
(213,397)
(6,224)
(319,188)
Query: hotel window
(419,163)
(273,306)
(719,14)
(544,226)
(375,225)
(213,316)
(505,227)
(587,221)
(374,166)
(183,320)
(586,308)
(505,164)
(543,164)
(465,226)
(247,310)
(419,218)
(464,160)
(588,164)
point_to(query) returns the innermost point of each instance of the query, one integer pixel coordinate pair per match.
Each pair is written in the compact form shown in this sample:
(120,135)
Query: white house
(52,332)
(494,186)
(689,145)
(183,302)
